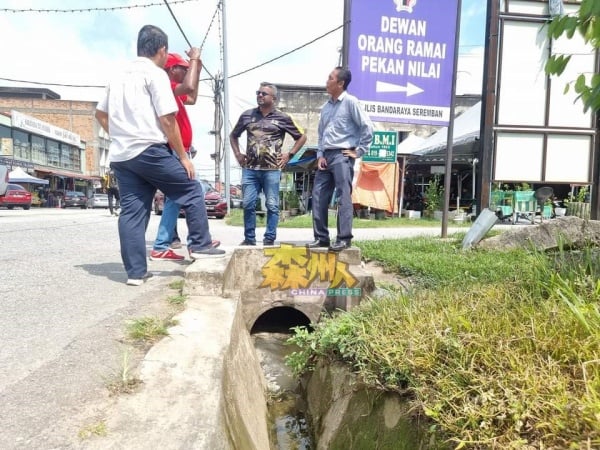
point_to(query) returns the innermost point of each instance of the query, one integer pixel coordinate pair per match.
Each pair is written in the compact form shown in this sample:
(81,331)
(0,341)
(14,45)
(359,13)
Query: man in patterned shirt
(265,128)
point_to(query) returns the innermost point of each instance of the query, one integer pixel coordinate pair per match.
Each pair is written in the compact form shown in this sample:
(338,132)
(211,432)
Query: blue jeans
(253,181)
(167,225)
(157,167)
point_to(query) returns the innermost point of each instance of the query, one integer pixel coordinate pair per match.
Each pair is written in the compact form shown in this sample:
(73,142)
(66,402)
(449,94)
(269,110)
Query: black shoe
(268,242)
(246,242)
(338,246)
(317,243)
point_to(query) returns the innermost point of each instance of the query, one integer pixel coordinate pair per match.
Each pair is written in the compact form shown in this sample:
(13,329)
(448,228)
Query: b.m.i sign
(401,54)
(383,147)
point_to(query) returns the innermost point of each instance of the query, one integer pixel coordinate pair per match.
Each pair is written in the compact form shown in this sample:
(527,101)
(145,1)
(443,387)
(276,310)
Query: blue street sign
(401,54)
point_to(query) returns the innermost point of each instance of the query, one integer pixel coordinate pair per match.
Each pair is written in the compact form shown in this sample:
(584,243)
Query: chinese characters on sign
(296,268)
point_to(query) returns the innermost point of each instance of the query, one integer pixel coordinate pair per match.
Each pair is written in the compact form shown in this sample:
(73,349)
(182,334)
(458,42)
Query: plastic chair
(501,204)
(524,206)
(541,195)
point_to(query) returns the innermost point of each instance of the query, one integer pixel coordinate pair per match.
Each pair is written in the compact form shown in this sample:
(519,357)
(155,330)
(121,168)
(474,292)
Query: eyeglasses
(262,93)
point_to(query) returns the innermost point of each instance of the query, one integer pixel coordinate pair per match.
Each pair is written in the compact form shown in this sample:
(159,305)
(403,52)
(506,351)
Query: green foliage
(434,195)
(500,352)
(580,196)
(434,263)
(236,218)
(587,24)
(148,328)
(291,199)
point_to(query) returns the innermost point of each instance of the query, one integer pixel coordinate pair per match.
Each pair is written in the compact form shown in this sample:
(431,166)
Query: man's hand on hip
(350,153)
(189,167)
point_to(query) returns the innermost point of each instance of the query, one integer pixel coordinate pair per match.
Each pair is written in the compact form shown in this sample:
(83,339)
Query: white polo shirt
(134,101)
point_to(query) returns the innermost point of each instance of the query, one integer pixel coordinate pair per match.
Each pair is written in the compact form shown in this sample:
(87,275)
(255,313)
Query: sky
(46,47)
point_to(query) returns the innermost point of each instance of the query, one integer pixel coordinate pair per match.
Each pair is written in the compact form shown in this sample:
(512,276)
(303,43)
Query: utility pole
(226,147)
(217,126)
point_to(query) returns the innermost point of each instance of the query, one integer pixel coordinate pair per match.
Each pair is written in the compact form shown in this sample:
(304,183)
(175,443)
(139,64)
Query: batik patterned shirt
(265,136)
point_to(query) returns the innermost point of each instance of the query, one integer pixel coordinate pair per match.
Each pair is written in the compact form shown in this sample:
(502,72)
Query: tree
(587,23)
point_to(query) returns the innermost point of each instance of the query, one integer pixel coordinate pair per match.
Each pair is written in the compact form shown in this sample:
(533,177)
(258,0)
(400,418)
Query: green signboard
(383,147)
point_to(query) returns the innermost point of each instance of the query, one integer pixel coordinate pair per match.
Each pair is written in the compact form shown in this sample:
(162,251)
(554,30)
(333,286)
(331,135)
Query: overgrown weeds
(498,349)
(149,329)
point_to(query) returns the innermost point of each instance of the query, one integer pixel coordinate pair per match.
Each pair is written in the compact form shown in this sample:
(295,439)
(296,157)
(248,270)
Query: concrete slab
(177,406)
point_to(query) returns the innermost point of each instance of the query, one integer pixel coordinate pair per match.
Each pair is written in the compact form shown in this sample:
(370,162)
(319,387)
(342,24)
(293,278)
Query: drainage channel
(288,428)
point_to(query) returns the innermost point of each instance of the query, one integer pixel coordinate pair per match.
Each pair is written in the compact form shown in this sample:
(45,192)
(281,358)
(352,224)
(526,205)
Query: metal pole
(226,146)
(488,105)
(346,35)
(449,142)
(402,179)
(217,130)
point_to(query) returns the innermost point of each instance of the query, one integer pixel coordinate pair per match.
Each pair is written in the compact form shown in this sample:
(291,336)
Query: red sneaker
(168,255)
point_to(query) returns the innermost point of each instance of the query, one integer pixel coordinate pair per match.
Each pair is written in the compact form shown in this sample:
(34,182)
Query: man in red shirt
(184,78)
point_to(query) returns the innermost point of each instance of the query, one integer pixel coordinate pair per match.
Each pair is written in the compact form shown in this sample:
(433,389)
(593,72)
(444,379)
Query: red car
(216,205)
(16,195)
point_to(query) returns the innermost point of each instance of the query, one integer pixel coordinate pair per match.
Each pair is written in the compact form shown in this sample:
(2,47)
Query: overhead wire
(168,4)
(286,53)
(79,10)
(184,35)
(202,79)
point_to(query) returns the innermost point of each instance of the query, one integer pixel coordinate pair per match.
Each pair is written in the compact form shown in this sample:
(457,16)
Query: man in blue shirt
(344,134)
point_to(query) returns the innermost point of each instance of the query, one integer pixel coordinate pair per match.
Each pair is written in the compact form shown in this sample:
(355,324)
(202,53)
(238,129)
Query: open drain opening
(288,428)
(279,320)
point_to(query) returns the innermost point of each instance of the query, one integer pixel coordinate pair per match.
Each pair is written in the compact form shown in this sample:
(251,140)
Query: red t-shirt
(182,119)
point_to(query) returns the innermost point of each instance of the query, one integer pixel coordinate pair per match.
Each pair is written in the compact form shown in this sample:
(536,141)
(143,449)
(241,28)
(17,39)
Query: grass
(149,329)
(123,381)
(498,349)
(94,429)
(236,218)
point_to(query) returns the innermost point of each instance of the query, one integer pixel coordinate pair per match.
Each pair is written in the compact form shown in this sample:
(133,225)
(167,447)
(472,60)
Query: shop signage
(383,147)
(36,126)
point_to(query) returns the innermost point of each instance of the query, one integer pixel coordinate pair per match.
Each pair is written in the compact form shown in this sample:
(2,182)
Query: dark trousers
(156,168)
(338,175)
(113,194)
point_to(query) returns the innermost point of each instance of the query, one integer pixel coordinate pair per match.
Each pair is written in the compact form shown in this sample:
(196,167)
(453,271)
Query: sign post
(401,54)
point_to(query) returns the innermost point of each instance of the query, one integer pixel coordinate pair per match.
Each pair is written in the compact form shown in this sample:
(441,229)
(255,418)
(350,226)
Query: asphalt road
(63,310)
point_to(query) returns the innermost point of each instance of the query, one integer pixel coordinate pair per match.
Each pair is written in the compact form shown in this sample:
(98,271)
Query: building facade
(53,139)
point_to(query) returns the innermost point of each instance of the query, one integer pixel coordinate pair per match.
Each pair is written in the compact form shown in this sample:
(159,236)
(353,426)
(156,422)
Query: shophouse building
(53,139)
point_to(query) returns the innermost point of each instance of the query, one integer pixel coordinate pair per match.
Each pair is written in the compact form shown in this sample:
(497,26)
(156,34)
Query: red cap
(176,60)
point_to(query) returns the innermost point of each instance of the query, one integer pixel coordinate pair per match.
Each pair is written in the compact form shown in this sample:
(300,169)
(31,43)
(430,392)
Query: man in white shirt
(146,153)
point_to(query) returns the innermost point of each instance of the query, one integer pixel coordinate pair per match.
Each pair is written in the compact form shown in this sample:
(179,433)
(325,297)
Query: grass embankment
(499,350)
(236,218)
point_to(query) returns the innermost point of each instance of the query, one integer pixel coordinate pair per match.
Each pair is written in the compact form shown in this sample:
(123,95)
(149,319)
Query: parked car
(216,205)
(236,202)
(3,178)
(16,196)
(74,199)
(98,201)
